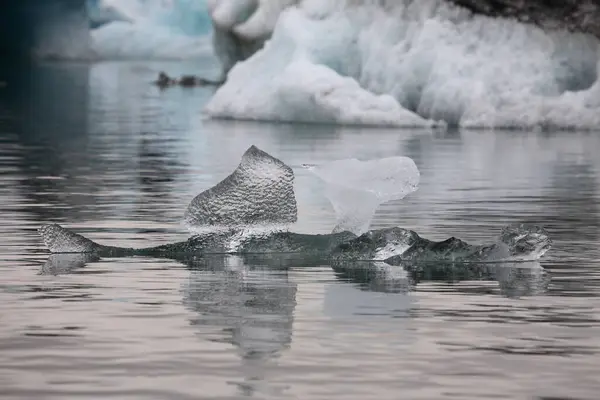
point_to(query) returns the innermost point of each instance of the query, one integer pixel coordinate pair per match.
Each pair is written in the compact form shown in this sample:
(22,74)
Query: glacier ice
(246,211)
(520,243)
(397,246)
(152,29)
(281,83)
(394,246)
(356,188)
(260,192)
(59,240)
(407,63)
(366,62)
(242,26)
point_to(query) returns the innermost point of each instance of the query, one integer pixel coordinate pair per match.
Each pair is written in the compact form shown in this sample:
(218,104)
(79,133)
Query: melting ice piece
(60,240)
(396,246)
(260,192)
(356,188)
(520,243)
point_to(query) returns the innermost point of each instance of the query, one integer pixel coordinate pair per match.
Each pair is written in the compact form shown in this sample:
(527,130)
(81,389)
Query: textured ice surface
(377,245)
(242,26)
(247,19)
(260,192)
(284,83)
(397,245)
(521,243)
(406,61)
(368,62)
(60,240)
(394,246)
(356,188)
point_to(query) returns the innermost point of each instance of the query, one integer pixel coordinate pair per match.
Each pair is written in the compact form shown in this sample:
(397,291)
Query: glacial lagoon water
(100,150)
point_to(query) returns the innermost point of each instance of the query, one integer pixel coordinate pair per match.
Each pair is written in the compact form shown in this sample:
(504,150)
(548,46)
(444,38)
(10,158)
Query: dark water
(100,150)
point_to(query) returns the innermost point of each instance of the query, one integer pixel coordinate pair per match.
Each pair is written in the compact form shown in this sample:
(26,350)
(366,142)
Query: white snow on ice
(404,63)
(369,62)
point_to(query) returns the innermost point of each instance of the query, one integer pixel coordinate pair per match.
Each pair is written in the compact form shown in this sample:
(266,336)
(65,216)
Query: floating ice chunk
(61,240)
(307,92)
(520,243)
(286,82)
(242,26)
(409,62)
(570,110)
(260,192)
(397,246)
(356,188)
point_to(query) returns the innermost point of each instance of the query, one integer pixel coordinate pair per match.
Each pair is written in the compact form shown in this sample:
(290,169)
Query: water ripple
(119,162)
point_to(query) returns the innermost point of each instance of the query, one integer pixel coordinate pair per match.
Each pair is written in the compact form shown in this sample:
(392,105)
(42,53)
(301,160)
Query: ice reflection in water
(249,301)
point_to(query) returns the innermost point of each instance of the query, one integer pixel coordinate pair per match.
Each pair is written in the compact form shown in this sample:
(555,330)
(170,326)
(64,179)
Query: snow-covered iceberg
(401,63)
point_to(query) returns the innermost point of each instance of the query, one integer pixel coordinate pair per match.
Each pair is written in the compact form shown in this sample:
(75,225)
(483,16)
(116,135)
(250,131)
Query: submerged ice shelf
(404,63)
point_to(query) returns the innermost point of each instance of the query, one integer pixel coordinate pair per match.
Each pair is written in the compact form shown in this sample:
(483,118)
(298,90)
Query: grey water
(99,149)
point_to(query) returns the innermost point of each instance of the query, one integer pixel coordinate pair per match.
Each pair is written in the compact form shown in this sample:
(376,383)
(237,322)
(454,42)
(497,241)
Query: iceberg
(399,63)
(241,27)
(150,29)
(403,63)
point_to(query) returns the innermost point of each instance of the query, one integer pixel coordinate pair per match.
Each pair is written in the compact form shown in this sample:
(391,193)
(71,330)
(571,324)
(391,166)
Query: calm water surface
(100,150)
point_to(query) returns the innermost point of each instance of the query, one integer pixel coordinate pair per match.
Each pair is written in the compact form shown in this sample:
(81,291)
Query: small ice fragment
(356,188)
